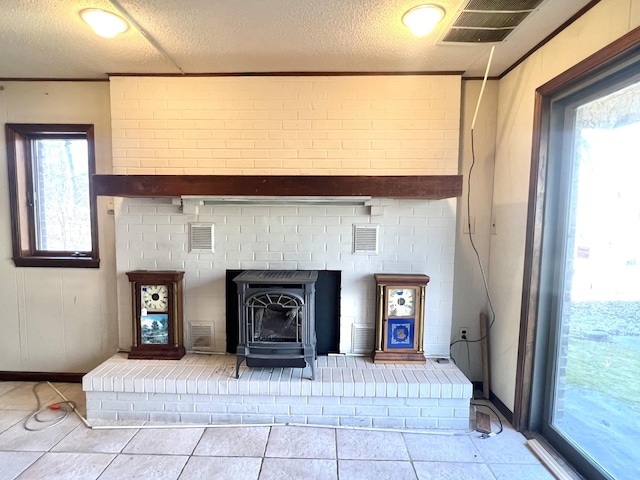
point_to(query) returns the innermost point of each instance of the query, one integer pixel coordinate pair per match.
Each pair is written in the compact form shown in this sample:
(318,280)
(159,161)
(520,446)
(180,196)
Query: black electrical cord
(48,422)
(475,249)
(492,434)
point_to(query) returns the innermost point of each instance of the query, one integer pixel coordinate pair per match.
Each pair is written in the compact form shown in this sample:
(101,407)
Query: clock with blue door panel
(400,318)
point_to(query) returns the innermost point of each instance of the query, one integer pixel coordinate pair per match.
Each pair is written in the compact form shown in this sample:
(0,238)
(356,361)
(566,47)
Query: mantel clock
(157,314)
(400,318)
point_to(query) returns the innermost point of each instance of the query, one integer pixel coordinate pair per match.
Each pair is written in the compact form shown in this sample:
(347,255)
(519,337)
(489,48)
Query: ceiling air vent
(484,21)
(200,237)
(365,239)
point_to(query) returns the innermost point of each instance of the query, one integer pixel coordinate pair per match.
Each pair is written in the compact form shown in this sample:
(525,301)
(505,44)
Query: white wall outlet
(464,333)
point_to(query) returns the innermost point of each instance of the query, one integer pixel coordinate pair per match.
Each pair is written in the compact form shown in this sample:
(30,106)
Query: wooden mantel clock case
(400,301)
(157,314)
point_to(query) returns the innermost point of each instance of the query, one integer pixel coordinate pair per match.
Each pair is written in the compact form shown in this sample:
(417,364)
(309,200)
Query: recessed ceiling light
(423,18)
(105,24)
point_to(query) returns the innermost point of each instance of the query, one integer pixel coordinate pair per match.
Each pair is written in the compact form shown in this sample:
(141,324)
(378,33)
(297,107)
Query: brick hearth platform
(348,391)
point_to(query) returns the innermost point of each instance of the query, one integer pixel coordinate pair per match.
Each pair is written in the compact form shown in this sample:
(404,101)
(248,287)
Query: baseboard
(41,377)
(502,408)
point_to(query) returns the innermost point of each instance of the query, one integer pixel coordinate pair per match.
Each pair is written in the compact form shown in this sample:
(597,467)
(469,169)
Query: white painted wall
(468,290)
(57,319)
(607,21)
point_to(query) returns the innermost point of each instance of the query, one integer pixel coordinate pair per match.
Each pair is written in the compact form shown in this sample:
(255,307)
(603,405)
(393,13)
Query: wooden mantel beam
(431,187)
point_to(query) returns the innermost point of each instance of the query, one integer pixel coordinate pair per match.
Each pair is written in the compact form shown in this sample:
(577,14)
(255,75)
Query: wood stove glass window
(275,317)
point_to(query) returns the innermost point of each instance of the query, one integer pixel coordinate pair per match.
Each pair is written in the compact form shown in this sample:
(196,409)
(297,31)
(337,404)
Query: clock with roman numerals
(157,314)
(400,318)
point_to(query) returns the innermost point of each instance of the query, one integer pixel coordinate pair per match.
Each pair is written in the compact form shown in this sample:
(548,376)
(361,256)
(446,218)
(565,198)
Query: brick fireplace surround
(287,126)
(348,391)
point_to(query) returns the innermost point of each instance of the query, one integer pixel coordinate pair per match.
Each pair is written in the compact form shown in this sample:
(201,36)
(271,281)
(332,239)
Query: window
(53,212)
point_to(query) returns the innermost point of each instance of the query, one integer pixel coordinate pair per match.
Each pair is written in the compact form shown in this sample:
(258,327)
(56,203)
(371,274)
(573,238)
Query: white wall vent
(362,339)
(201,336)
(365,238)
(201,237)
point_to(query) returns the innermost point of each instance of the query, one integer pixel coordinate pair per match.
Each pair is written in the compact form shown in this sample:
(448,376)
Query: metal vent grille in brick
(365,238)
(201,237)
(362,339)
(201,335)
(483,21)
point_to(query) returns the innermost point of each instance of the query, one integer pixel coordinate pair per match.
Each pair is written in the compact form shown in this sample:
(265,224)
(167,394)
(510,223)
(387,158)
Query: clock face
(401,302)
(154,298)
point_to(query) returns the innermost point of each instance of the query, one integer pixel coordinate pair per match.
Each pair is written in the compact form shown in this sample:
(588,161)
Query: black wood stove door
(327,311)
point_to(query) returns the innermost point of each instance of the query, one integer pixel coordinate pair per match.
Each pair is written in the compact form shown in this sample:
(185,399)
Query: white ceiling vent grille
(365,239)
(201,237)
(485,21)
(201,336)
(362,339)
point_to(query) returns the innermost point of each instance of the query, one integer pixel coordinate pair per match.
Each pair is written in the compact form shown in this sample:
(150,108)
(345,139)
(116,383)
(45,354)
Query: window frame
(20,162)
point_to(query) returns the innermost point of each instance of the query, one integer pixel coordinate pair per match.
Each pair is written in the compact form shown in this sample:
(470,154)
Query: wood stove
(276,319)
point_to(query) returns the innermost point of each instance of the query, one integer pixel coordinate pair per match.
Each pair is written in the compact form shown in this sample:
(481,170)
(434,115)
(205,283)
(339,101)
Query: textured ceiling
(47,38)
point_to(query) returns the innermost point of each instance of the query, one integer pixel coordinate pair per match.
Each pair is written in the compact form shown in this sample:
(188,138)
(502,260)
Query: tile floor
(70,450)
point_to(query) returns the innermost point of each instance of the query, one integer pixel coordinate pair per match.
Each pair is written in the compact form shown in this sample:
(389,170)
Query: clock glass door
(401,319)
(154,317)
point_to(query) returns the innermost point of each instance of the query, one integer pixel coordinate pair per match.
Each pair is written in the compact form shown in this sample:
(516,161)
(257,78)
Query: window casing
(53,209)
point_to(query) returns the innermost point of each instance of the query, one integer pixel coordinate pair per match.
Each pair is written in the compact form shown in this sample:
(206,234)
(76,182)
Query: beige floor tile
(375,470)
(453,471)
(294,468)
(373,445)
(233,442)
(177,441)
(83,439)
(148,467)
(301,442)
(8,418)
(221,468)
(67,466)
(441,448)
(73,392)
(507,447)
(7,386)
(509,471)
(22,397)
(17,438)
(14,463)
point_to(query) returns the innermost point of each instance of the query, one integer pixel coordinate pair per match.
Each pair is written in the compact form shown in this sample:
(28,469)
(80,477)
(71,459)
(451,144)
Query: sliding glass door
(590,279)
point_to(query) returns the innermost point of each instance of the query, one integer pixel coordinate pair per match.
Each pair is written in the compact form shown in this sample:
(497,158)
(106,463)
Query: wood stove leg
(239,360)
(312,363)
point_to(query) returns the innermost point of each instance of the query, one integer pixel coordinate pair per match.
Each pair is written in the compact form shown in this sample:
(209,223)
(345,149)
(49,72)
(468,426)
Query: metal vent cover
(365,239)
(485,21)
(502,4)
(201,336)
(362,339)
(200,237)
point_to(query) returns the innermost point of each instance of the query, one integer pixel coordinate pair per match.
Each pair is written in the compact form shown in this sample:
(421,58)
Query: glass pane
(597,392)
(61,183)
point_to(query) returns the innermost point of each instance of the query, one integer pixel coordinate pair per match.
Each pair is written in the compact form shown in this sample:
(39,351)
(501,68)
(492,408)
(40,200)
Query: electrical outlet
(464,332)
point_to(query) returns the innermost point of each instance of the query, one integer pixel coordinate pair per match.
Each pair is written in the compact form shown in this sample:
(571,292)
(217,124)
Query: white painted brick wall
(278,395)
(152,234)
(370,125)
(286,125)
